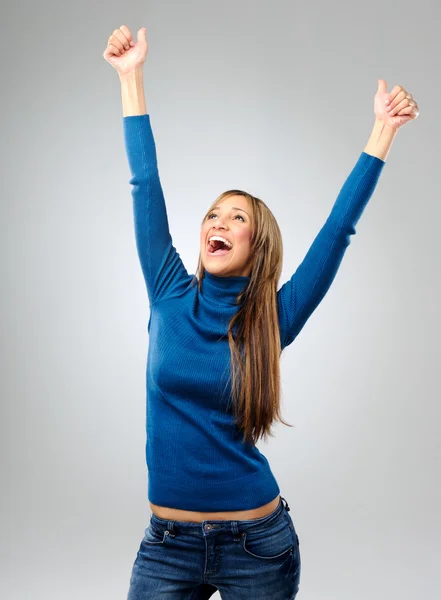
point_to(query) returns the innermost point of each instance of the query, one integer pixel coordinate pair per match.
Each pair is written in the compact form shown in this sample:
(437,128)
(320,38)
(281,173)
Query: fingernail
(386,101)
(132,43)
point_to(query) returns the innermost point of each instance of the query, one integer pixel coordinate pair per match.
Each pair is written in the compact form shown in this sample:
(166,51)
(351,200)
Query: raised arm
(300,295)
(164,272)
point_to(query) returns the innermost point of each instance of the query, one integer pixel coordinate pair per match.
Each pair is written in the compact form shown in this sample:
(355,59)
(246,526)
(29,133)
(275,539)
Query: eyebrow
(233,207)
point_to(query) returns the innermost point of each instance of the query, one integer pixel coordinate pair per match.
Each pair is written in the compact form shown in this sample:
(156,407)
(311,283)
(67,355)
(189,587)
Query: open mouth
(217,248)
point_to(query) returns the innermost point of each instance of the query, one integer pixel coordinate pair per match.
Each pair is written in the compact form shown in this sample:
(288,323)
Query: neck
(224,289)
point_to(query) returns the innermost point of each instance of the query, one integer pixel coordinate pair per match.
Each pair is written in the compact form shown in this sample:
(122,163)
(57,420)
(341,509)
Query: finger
(114,50)
(382,86)
(408,110)
(396,101)
(126,31)
(114,41)
(396,90)
(404,104)
(393,110)
(121,39)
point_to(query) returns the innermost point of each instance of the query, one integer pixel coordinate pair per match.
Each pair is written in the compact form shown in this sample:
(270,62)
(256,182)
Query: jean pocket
(153,535)
(268,543)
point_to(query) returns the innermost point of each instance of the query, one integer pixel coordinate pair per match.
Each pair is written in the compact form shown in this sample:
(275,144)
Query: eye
(211,214)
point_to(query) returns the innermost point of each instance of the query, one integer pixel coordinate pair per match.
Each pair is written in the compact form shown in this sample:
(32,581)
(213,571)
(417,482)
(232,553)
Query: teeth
(220,238)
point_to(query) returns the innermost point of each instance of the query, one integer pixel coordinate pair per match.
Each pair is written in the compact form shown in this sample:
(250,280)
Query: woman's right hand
(126,60)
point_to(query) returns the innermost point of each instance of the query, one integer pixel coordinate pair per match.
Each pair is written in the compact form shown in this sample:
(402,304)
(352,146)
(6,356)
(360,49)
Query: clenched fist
(123,53)
(396,108)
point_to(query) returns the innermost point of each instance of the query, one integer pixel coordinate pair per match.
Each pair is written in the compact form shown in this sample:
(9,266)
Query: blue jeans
(245,560)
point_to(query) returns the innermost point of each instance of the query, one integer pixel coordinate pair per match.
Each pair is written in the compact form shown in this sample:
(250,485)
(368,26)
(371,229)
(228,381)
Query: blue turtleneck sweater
(195,455)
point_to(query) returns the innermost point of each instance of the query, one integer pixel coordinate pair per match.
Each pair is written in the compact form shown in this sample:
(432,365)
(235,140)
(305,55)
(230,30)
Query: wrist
(380,140)
(133,74)
(132,92)
(381,125)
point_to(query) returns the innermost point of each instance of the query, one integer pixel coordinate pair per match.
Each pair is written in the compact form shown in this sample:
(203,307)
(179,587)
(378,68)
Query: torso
(176,514)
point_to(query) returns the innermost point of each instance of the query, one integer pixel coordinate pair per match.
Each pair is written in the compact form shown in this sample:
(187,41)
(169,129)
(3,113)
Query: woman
(218,521)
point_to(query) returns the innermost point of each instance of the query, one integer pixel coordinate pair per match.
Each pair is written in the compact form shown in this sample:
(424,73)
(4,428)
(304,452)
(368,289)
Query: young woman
(218,521)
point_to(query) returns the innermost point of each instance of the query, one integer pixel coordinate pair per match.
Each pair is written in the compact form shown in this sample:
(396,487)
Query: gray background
(275,98)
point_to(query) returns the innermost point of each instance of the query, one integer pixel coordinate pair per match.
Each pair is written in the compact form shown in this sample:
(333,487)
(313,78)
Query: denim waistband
(216,524)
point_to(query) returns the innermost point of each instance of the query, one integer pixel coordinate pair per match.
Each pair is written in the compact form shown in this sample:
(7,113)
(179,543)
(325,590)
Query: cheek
(243,238)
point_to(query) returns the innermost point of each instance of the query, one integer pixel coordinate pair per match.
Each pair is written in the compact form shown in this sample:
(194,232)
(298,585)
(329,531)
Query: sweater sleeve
(164,272)
(299,296)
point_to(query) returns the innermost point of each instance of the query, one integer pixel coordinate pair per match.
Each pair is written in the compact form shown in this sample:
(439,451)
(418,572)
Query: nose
(218,225)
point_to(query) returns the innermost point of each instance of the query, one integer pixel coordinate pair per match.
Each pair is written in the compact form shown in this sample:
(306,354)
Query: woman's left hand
(396,108)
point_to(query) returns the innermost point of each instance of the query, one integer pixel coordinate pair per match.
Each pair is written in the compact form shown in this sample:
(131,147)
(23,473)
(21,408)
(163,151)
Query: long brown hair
(255,349)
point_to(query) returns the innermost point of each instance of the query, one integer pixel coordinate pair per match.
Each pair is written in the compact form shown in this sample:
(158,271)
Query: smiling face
(231,219)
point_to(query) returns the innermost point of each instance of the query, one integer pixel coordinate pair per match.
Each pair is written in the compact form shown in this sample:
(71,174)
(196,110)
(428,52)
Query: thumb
(141,34)
(382,86)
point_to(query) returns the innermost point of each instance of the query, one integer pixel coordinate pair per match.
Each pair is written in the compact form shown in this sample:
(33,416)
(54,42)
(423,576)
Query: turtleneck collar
(223,289)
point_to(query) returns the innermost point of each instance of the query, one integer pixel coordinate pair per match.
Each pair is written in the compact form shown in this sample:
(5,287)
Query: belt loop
(235,531)
(170,527)
(285,503)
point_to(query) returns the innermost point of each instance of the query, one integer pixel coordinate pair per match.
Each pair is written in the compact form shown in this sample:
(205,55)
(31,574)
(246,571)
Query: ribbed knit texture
(195,455)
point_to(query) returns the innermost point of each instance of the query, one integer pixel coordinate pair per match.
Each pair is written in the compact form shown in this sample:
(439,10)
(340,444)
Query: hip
(176,514)
(256,558)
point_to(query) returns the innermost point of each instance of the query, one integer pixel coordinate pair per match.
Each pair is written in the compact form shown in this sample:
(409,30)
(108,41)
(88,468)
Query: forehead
(230,201)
